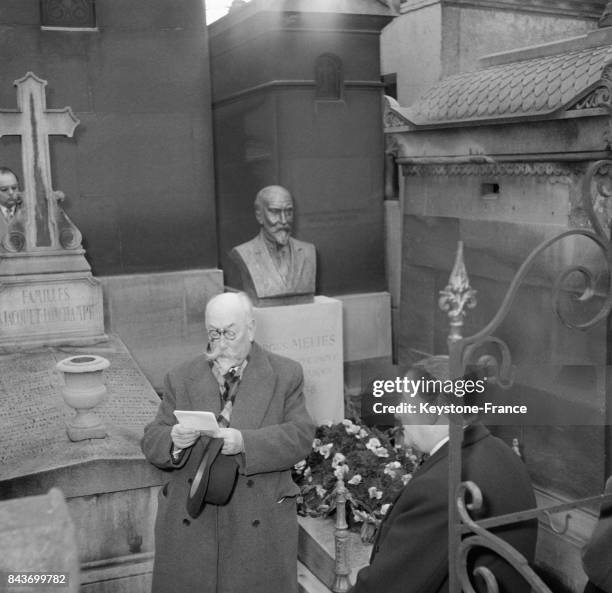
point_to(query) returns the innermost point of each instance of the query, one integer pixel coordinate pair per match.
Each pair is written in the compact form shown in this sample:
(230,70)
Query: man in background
(410,554)
(10,198)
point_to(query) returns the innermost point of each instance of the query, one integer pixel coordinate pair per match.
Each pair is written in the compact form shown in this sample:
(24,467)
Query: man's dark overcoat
(597,554)
(249,545)
(410,554)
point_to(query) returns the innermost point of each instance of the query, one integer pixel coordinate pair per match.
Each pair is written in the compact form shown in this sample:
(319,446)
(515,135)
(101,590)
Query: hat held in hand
(214,479)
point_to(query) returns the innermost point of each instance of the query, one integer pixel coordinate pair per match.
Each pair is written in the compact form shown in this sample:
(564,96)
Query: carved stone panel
(68,13)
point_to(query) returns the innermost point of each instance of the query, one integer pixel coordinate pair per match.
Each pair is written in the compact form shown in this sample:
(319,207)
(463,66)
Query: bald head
(234,305)
(274,212)
(231,329)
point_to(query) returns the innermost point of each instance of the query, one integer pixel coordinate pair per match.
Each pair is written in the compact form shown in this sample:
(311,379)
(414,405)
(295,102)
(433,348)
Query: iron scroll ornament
(594,196)
(486,539)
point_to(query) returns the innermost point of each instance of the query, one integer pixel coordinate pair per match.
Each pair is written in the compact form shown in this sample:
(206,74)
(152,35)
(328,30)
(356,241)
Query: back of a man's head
(435,401)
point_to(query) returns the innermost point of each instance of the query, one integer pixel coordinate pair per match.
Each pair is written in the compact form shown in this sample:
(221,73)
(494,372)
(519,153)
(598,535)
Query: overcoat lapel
(254,392)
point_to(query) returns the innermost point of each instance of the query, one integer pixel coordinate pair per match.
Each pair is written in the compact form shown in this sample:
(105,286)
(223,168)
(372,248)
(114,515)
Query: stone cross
(44,220)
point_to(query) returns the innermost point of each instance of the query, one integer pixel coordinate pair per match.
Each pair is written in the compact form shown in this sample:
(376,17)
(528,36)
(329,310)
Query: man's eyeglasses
(216,334)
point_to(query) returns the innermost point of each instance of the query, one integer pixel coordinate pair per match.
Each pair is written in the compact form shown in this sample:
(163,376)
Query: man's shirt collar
(8,213)
(439,445)
(220,377)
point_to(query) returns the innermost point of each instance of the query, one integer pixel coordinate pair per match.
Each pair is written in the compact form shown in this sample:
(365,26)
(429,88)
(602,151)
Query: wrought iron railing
(464,533)
(475,350)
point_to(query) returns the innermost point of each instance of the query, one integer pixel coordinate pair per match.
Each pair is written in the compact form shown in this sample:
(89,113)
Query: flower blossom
(362,434)
(338,459)
(374,445)
(321,492)
(359,516)
(325,450)
(391,468)
(300,466)
(350,427)
(355,480)
(384,509)
(381,452)
(406,478)
(374,492)
(341,471)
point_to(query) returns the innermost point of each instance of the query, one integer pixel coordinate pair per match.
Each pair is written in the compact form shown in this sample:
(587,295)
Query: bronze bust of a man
(275,268)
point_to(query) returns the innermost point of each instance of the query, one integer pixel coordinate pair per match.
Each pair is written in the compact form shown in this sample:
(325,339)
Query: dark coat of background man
(597,554)
(250,544)
(410,554)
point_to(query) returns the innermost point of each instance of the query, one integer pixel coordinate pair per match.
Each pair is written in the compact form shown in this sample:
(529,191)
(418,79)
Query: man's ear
(259,215)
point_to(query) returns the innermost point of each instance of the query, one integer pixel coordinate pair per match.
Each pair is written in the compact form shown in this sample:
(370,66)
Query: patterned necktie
(230,387)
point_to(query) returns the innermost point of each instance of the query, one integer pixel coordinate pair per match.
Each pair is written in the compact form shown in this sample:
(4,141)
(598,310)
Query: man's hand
(232,441)
(183,437)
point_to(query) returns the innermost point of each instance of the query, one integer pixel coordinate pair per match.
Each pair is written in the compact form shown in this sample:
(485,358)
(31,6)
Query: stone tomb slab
(50,309)
(37,536)
(312,335)
(33,437)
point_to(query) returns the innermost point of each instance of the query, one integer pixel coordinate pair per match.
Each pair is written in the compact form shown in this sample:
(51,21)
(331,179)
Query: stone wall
(271,129)
(138,173)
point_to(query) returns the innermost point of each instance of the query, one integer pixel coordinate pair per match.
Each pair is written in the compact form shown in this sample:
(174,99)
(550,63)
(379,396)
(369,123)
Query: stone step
(316,549)
(308,582)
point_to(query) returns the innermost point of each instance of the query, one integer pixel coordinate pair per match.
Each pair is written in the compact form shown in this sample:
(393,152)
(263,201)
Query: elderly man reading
(250,543)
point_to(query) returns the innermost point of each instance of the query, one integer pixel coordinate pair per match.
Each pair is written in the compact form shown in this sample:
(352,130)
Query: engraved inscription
(44,306)
(50,308)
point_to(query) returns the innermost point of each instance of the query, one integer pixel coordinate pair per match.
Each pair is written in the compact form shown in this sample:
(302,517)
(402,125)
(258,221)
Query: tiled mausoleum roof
(531,87)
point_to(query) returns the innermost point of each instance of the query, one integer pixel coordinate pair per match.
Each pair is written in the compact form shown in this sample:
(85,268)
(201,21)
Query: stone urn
(83,390)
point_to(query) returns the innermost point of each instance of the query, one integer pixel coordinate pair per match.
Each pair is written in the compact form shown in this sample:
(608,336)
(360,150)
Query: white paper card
(202,421)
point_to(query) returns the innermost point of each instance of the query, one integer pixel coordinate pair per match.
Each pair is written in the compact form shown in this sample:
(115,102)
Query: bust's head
(274,213)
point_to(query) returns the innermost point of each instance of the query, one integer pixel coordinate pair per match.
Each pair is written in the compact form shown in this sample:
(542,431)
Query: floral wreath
(372,464)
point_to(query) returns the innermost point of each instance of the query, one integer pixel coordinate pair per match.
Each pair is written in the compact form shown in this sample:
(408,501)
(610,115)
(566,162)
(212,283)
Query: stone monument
(275,268)
(278,273)
(312,335)
(47,292)
(51,310)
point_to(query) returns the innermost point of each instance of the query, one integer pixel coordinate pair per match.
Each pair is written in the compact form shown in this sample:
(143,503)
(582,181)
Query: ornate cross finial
(47,227)
(457,295)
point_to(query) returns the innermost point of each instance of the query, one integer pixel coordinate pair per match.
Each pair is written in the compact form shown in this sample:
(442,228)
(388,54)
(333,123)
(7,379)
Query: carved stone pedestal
(312,335)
